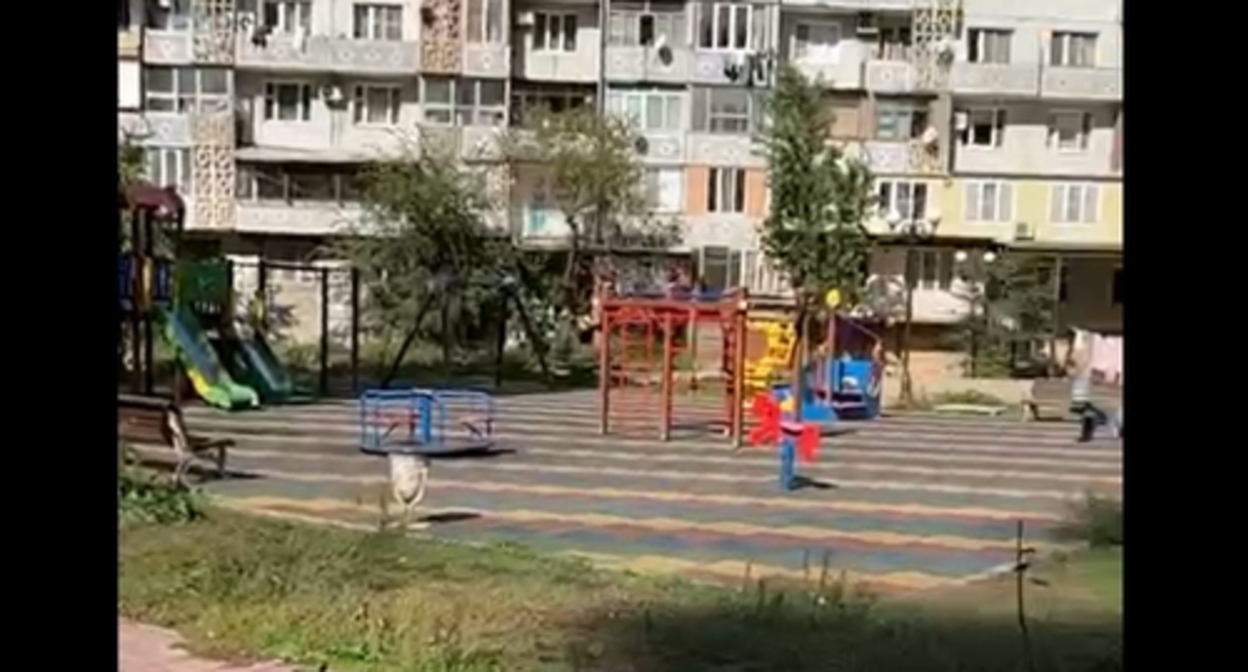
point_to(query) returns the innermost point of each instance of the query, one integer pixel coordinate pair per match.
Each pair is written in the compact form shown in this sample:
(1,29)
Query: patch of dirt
(146,648)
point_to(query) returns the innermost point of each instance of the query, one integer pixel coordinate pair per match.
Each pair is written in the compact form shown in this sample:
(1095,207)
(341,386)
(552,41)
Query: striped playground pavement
(909,502)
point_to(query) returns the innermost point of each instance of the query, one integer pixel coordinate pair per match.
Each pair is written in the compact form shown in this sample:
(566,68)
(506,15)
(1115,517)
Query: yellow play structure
(770,344)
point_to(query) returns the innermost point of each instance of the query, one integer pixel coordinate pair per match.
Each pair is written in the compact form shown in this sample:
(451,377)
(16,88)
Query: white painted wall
(1025,151)
(550,65)
(129,88)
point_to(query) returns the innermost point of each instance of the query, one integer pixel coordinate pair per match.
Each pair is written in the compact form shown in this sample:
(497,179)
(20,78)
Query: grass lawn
(242,586)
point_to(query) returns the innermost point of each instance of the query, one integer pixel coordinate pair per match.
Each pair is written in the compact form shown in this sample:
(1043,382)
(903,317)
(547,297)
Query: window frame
(184,171)
(490,10)
(360,107)
(714,25)
(891,200)
(1084,137)
(176,18)
(977,45)
(713,116)
(642,118)
(721,180)
(1087,216)
(551,30)
(475,111)
(918,116)
(1004,202)
(996,138)
(652,188)
(201,102)
(377,27)
(272,109)
(941,262)
(665,20)
(249,175)
(1059,45)
(797,44)
(302,10)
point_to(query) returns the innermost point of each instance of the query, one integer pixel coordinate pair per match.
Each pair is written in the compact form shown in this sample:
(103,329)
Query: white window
(287,101)
(553,99)
(168,167)
(725,110)
(899,121)
(554,32)
(485,21)
(985,45)
(725,190)
(664,189)
(719,268)
(893,43)
(1072,50)
(905,199)
(984,128)
(464,102)
(761,276)
(1069,130)
(186,89)
(989,201)
(725,26)
(650,110)
(816,42)
(287,16)
(379,22)
(376,105)
(935,269)
(643,28)
(275,182)
(1073,203)
(175,16)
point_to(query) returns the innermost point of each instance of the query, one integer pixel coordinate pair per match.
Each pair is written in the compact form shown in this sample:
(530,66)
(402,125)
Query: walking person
(1081,404)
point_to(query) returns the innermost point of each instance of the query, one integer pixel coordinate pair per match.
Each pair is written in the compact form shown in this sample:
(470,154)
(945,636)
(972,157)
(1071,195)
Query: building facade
(988,123)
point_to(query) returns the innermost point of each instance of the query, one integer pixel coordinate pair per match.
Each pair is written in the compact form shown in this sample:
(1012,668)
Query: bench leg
(184,464)
(220,461)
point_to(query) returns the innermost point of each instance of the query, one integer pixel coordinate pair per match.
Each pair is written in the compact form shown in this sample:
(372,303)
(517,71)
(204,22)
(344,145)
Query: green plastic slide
(210,379)
(262,370)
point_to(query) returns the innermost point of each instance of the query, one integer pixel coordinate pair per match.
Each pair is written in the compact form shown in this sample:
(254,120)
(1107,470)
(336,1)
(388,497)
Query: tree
(590,165)
(423,244)
(1012,309)
(820,198)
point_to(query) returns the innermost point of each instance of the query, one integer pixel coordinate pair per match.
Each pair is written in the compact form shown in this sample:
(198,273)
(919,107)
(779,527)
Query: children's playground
(695,456)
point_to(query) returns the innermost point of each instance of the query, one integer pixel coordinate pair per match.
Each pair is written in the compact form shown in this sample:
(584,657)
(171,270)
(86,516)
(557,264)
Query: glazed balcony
(322,53)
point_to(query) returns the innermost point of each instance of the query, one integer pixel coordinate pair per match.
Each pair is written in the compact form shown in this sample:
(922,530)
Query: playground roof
(147,195)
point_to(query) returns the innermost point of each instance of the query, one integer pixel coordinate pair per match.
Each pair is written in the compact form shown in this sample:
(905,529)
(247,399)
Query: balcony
(843,70)
(996,79)
(714,149)
(156,128)
(471,143)
(321,53)
(646,64)
(664,147)
(1082,83)
(171,47)
(129,43)
(884,157)
(579,66)
(889,76)
(489,61)
(298,218)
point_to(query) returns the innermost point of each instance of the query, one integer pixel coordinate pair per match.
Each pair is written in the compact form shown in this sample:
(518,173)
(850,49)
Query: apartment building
(988,123)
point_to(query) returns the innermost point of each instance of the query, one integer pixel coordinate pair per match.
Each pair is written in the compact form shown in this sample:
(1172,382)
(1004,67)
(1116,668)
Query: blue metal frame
(427,413)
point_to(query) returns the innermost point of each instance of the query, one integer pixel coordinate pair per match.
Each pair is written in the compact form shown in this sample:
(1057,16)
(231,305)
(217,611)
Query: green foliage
(129,162)
(819,197)
(1096,520)
(147,498)
(1012,308)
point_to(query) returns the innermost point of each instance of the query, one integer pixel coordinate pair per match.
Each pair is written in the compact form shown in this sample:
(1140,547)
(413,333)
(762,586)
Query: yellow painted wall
(1031,205)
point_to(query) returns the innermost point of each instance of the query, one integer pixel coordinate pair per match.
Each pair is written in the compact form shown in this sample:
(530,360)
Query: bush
(974,397)
(148,498)
(1096,520)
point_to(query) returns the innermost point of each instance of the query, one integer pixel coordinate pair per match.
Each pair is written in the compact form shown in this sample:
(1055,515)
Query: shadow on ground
(775,635)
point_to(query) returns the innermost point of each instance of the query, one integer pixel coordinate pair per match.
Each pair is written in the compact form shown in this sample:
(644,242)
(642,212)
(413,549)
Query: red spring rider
(797,440)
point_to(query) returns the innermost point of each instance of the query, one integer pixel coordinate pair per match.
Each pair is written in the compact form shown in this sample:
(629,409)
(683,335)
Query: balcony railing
(322,53)
(646,64)
(167,46)
(1008,79)
(1082,83)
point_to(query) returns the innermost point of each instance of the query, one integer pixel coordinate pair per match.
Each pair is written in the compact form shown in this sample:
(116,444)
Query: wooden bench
(1049,398)
(158,421)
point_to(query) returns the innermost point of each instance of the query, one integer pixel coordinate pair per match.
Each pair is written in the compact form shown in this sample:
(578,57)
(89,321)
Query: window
(1073,203)
(485,21)
(893,44)
(989,201)
(984,128)
(554,99)
(287,16)
(636,28)
(816,42)
(984,45)
(1069,131)
(464,102)
(725,190)
(725,110)
(379,22)
(664,189)
(719,268)
(935,269)
(650,110)
(186,89)
(376,105)
(287,101)
(554,32)
(1115,288)
(1072,50)
(274,182)
(725,26)
(899,121)
(908,200)
(168,167)
(176,16)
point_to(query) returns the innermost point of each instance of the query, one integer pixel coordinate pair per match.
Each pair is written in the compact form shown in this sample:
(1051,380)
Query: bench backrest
(146,419)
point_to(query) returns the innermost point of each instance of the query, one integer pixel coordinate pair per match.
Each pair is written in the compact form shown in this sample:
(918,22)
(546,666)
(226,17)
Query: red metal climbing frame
(641,339)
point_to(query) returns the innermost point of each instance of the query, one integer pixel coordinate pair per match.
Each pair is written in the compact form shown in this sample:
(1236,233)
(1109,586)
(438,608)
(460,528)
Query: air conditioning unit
(867,24)
(333,94)
(1023,231)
